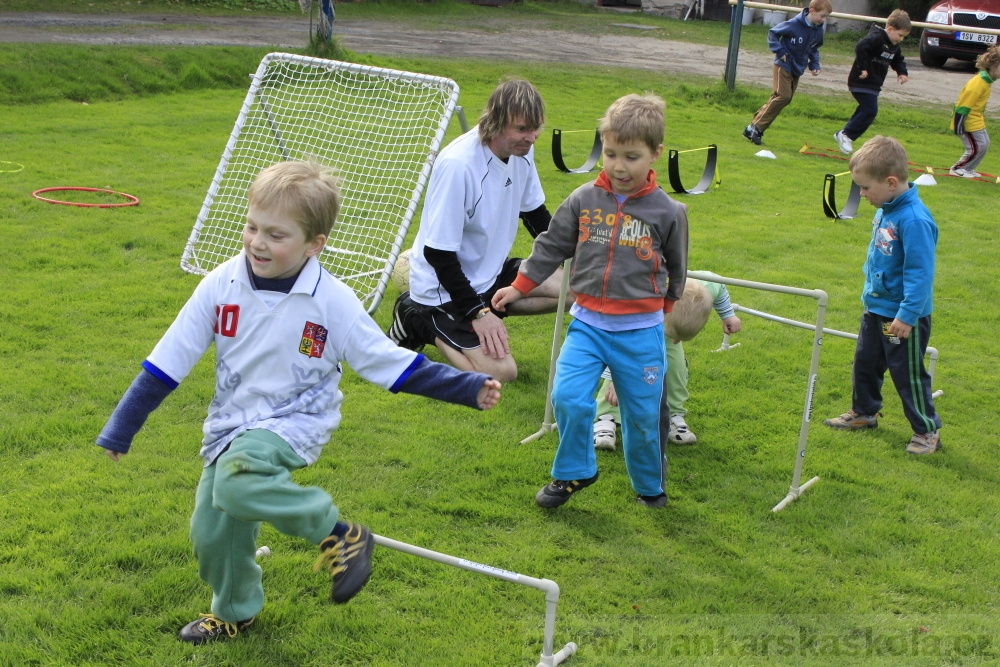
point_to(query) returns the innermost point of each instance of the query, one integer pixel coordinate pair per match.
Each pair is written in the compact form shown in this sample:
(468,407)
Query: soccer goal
(379,128)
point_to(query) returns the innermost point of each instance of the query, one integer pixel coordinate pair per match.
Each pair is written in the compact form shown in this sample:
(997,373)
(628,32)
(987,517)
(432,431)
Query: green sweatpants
(250,483)
(677,385)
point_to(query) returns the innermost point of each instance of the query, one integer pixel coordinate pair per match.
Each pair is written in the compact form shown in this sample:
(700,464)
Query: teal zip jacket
(899,270)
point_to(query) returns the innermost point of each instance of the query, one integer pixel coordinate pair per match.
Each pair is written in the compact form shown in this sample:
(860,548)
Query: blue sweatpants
(637,360)
(877,352)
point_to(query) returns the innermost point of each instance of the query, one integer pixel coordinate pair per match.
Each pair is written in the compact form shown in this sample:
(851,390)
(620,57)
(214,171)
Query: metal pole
(735,32)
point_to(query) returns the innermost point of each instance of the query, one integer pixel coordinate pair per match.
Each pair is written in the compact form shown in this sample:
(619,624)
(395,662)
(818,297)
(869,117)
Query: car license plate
(976,37)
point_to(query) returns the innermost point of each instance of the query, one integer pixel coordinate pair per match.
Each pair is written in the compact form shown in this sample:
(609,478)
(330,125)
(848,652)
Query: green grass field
(888,559)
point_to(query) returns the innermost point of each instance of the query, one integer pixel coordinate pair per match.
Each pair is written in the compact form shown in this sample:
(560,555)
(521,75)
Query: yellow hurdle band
(693,150)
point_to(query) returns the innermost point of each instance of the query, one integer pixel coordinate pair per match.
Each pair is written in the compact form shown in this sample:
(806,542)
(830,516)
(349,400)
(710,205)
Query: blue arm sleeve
(143,396)
(444,383)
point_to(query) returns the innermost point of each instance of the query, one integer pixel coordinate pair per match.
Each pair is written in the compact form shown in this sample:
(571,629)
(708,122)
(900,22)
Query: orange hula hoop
(131,200)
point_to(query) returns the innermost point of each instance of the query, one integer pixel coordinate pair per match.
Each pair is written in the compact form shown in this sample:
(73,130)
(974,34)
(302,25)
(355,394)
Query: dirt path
(513,42)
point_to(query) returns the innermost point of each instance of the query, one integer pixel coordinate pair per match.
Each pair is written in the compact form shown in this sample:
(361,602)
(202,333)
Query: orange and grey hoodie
(628,257)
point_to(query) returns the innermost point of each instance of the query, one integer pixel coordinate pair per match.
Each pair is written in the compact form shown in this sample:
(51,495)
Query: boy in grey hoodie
(628,241)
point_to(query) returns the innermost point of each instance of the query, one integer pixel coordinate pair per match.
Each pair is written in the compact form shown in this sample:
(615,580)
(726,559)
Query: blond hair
(511,100)
(820,6)
(989,59)
(307,191)
(879,158)
(690,313)
(899,20)
(635,118)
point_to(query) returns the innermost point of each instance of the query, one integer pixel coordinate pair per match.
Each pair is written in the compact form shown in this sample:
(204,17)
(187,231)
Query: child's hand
(612,395)
(900,329)
(902,78)
(731,325)
(504,296)
(113,455)
(864,74)
(815,72)
(489,394)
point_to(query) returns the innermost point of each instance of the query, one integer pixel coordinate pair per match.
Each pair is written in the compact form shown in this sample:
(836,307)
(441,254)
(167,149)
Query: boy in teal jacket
(899,286)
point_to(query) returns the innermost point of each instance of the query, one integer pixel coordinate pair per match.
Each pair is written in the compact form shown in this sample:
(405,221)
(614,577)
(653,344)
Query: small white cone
(766,153)
(925,179)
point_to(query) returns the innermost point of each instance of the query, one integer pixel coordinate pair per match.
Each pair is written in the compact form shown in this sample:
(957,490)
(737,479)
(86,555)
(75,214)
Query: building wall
(719,10)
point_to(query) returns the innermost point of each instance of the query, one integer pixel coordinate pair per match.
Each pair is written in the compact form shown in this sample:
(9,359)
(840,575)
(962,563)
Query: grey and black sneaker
(853,421)
(208,628)
(348,559)
(558,491)
(656,502)
(401,331)
(924,443)
(753,134)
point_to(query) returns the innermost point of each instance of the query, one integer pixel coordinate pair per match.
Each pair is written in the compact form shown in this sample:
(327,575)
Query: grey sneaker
(604,433)
(655,502)
(846,146)
(924,443)
(679,431)
(853,421)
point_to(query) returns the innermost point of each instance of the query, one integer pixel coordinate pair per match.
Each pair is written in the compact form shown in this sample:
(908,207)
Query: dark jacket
(875,54)
(796,43)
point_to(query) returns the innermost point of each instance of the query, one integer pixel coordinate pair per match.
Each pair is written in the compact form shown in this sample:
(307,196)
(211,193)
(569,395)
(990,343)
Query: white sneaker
(679,431)
(846,147)
(604,433)
(964,173)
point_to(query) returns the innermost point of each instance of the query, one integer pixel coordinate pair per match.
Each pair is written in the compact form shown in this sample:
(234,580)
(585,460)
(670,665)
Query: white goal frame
(380,129)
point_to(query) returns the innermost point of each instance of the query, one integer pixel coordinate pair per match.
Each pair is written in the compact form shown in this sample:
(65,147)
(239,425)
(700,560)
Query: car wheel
(929,59)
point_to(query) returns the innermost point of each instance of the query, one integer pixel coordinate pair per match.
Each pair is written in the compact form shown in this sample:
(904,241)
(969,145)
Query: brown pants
(784,87)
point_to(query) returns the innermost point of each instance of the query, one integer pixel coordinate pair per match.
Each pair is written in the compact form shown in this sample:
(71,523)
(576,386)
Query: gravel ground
(513,42)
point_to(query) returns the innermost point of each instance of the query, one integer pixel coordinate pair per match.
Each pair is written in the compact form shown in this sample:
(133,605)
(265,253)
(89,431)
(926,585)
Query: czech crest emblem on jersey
(313,340)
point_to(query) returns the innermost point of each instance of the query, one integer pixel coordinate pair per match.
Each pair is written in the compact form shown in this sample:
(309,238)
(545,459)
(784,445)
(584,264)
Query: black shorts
(446,323)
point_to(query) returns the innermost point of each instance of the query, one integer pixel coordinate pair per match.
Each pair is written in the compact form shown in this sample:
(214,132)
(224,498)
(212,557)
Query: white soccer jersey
(473,203)
(277,368)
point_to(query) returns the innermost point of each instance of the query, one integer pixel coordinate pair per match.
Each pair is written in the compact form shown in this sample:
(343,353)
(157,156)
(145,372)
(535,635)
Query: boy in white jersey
(281,326)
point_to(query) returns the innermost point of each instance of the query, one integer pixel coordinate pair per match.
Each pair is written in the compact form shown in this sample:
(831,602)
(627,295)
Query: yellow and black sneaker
(208,628)
(558,491)
(348,559)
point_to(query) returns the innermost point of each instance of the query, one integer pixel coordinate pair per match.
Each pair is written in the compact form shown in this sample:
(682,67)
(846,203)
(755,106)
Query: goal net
(379,128)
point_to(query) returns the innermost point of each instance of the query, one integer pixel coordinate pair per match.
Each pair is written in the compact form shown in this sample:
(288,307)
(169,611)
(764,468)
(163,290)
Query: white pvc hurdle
(549,587)
(796,489)
(932,352)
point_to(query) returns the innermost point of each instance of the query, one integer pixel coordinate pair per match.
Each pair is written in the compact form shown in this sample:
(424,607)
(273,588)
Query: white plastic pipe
(549,587)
